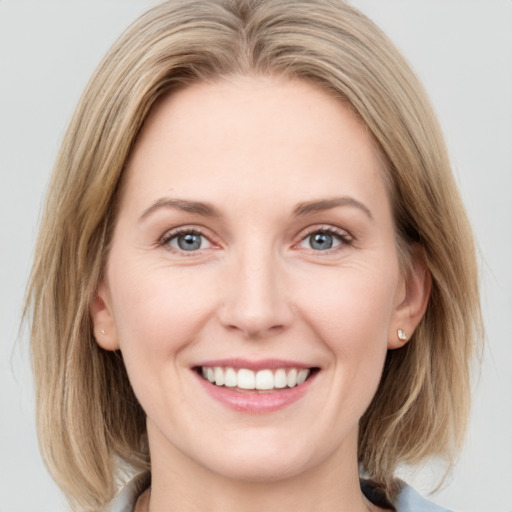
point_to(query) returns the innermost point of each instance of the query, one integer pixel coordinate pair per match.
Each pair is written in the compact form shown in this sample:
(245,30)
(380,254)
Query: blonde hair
(91,427)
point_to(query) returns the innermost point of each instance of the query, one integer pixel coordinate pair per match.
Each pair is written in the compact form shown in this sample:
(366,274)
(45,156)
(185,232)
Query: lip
(253,401)
(255,365)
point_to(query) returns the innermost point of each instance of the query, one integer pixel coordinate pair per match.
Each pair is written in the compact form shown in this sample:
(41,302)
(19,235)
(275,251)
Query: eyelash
(343,236)
(167,237)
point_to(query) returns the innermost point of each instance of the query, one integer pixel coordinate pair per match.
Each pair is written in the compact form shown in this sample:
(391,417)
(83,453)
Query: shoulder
(409,500)
(126,499)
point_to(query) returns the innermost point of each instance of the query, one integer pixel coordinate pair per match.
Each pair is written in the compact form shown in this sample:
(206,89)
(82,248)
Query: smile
(245,379)
(256,386)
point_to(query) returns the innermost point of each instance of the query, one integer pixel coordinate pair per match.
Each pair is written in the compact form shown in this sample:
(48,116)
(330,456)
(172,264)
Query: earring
(402,335)
(102,331)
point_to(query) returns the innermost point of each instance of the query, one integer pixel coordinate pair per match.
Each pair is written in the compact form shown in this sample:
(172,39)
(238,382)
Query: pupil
(189,242)
(321,241)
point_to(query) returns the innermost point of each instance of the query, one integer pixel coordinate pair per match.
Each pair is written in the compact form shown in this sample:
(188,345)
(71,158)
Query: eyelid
(164,240)
(346,238)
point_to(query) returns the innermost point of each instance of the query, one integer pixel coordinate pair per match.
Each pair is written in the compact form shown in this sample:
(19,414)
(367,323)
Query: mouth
(264,380)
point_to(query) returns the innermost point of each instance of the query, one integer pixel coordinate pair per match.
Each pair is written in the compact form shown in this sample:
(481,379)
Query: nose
(255,299)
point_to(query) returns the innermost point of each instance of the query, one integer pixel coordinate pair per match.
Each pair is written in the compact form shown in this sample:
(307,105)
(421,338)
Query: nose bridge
(255,301)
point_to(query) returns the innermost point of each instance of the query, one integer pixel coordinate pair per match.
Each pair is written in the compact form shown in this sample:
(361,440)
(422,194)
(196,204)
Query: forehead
(245,134)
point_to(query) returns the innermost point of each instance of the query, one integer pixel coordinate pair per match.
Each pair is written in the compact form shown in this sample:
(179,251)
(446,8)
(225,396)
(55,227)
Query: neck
(179,484)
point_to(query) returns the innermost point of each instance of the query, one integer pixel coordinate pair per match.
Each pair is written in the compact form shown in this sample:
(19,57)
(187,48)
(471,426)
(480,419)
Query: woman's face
(254,246)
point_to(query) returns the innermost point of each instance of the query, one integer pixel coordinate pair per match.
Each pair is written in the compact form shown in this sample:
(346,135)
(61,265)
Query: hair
(91,427)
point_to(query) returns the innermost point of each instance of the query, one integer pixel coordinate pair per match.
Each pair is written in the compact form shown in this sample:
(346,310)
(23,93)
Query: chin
(261,463)
(263,470)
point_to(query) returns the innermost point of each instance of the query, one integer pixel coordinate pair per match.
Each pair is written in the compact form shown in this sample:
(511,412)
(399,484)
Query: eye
(325,239)
(187,240)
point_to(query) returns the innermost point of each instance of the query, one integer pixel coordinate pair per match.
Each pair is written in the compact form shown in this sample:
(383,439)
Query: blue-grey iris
(189,242)
(321,241)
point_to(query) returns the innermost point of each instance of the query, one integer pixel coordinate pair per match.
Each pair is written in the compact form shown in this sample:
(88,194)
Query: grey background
(461,49)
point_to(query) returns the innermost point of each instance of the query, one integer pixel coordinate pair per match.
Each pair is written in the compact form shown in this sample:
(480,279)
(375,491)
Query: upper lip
(255,365)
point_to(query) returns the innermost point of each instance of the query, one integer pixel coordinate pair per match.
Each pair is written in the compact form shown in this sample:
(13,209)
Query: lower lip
(253,401)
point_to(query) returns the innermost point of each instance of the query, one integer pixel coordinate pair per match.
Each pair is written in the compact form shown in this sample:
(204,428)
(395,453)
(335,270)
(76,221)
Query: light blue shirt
(408,499)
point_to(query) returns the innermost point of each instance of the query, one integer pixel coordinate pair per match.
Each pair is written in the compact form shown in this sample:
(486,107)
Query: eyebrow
(208,210)
(184,205)
(323,205)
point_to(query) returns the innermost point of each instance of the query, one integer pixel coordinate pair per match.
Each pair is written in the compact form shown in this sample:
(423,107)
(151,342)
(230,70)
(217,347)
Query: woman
(254,276)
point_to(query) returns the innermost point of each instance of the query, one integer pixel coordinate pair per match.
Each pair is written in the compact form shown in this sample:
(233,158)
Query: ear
(415,292)
(103,321)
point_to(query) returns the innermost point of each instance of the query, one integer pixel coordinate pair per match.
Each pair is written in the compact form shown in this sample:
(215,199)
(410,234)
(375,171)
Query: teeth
(302,376)
(280,379)
(291,378)
(219,377)
(245,379)
(262,380)
(230,378)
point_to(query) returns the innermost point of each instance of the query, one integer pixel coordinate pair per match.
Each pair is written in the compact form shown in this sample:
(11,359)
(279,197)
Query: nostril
(255,305)
(255,329)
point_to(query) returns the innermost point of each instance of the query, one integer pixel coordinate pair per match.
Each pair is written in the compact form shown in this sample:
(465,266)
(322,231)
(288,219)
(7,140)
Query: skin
(254,148)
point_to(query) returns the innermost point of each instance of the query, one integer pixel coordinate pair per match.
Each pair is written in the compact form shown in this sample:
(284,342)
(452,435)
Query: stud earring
(102,331)
(401,335)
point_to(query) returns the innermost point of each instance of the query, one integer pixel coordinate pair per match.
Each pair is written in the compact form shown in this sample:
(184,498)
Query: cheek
(352,307)
(159,310)
(351,313)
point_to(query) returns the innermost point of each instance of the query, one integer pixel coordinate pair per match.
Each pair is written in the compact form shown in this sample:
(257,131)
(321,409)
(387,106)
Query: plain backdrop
(461,49)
